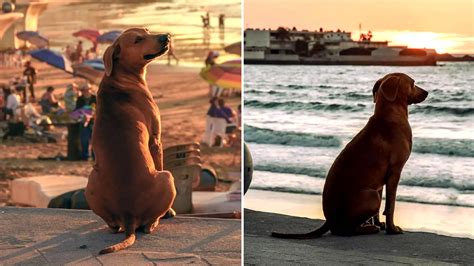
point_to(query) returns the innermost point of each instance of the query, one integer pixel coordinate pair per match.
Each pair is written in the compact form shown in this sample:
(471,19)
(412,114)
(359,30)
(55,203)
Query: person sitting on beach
(48,101)
(12,103)
(211,114)
(222,119)
(230,114)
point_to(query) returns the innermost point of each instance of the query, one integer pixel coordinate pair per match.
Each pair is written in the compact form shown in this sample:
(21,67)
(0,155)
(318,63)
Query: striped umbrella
(90,70)
(52,58)
(109,37)
(226,75)
(89,34)
(34,38)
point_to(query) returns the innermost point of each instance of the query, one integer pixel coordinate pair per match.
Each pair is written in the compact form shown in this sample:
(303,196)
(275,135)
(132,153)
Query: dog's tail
(313,234)
(127,242)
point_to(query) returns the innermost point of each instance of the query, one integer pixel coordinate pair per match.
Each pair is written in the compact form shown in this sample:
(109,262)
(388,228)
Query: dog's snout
(164,38)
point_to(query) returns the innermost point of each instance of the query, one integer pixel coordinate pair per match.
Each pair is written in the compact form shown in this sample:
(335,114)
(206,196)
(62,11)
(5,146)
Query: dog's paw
(394,231)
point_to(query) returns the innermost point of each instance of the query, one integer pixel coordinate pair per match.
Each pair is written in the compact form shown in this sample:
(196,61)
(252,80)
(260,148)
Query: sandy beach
(181,96)
(413,248)
(413,217)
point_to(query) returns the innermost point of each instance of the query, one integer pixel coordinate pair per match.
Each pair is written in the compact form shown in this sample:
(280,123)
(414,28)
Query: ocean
(181,18)
(298,119)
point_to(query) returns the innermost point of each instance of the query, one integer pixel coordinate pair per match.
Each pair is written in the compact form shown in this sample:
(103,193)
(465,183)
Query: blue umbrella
(52,58)
(33,37)
(109,37)
(96,64)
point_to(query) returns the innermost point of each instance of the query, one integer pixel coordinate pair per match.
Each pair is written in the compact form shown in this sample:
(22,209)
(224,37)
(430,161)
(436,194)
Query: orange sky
(446,25)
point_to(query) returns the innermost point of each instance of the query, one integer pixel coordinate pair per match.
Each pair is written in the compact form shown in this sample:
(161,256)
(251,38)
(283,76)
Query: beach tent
(52,58)
(235,48)
(226,75)
(109,37)
(89,34)
(34,38)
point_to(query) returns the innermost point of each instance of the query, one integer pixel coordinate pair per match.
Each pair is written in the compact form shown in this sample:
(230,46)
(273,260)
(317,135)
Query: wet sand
(181,96)
(413,217)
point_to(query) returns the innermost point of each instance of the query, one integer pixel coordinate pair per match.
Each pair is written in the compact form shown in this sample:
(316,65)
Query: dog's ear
(376,88)
(110,55)
(389,88)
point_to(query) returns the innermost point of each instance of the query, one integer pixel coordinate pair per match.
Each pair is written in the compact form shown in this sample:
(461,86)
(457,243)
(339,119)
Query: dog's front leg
(156,151)
(391,195)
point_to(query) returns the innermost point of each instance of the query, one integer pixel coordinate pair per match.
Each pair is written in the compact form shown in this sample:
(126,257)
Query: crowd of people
(19,109)
(77,55)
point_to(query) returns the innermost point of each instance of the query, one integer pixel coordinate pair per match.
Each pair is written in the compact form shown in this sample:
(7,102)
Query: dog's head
(398,87)
(135,48)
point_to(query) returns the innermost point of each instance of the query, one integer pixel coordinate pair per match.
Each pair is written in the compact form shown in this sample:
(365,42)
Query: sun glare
(442,43)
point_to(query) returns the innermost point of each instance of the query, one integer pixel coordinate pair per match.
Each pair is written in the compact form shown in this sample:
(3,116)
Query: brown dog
(352,193)
(128,187)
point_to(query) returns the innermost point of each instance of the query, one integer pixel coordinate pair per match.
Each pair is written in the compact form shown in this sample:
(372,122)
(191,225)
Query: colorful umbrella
(33,37)
(235,48)
(225,75)
(89,34)
(109,37)
(52,58)
(96,64)
(89,72)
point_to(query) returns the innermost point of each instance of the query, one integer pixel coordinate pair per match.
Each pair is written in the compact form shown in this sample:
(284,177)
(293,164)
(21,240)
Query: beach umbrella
(90,71)
(96,64)
(52,58)
(235,48)
(33,37)
(109,37)
(89,34)
(226,75)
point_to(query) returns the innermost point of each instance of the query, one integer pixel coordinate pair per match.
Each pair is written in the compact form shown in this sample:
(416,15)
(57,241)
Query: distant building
(284,45)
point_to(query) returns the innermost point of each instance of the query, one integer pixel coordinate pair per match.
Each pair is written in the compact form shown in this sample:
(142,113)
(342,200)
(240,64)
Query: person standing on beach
(171,53)
(30,75)
(211,113)
(79,50)
(88,100)
(221,21)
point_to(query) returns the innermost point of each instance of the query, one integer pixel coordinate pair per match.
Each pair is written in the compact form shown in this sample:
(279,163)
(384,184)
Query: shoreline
(452,221)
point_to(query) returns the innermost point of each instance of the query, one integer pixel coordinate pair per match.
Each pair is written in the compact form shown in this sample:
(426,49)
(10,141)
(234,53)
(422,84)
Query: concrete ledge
(413,248)
(56,236)
(38,191)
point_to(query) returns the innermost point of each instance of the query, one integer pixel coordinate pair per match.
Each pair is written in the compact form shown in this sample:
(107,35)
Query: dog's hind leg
(150,227)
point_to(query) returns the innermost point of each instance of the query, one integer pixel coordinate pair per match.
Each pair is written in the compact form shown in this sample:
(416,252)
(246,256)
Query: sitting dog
(375,158)
(127,186)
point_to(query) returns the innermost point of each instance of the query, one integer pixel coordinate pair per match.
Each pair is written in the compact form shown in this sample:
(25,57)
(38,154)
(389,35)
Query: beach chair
(183,180)
(182,148)
(181,155)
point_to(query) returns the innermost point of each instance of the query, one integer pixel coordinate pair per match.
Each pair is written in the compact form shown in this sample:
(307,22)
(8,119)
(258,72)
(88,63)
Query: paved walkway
(55,236)
(413,248)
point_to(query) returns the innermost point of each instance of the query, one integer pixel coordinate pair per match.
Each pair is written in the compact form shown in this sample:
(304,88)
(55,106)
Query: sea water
(298,119)
(180,18)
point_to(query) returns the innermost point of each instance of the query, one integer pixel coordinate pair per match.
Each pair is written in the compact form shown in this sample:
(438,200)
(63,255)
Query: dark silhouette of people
(30,75)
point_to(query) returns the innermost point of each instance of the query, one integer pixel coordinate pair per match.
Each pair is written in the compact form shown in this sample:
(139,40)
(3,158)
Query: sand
(181,96)
(380,249)
(415,217)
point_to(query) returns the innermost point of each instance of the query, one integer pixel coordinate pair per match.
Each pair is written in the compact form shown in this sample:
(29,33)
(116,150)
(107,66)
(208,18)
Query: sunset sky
(446,25)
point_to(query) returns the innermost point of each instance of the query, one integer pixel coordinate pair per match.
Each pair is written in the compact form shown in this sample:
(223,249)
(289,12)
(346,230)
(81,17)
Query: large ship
(292,46)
